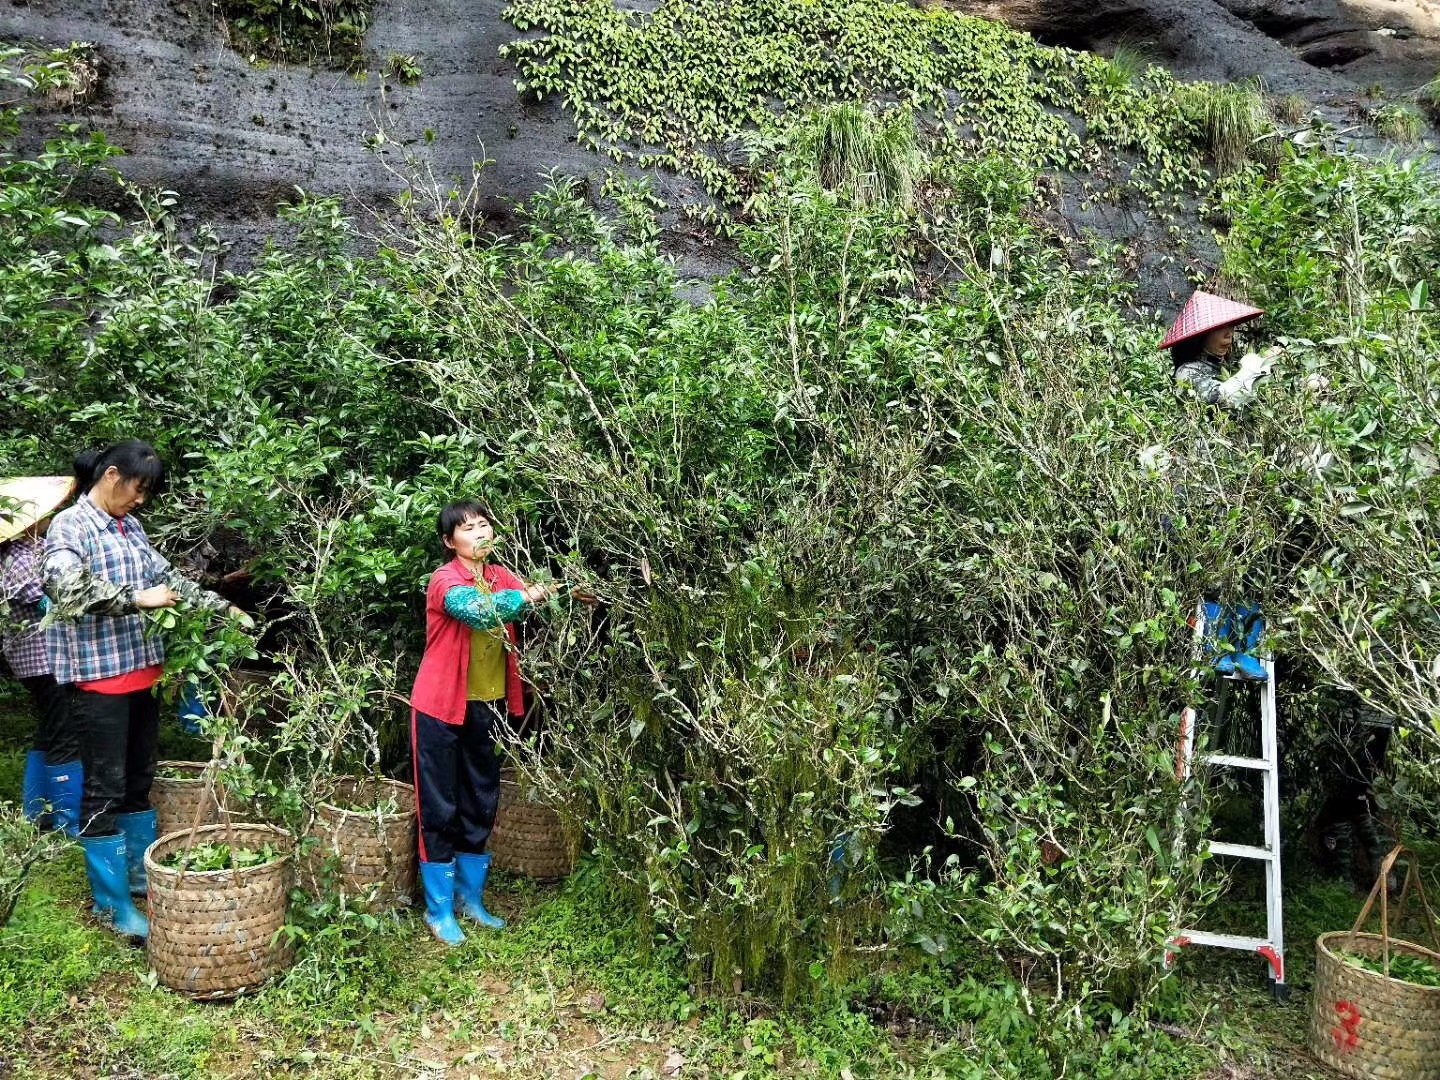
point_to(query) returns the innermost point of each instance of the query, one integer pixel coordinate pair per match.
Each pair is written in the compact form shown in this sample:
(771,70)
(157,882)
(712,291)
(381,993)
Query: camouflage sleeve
(188,591)
(70,586)
(1201,379)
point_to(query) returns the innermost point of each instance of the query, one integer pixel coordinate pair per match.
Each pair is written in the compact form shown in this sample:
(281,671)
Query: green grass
(1293,109)
(1230,117)
(870,158)
(1399,121)
(1429,96)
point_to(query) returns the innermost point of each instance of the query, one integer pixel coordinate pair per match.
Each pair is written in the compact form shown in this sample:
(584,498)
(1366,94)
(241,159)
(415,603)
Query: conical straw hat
(24,500)
(1205,312)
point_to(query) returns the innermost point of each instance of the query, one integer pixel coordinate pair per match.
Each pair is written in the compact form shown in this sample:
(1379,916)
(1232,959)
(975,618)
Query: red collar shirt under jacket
(94,564)
(441,683)
(24,643)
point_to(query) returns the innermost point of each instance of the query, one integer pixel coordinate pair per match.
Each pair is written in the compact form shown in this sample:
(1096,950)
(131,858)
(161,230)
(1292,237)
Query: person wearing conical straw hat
(1200,342)
(51,795)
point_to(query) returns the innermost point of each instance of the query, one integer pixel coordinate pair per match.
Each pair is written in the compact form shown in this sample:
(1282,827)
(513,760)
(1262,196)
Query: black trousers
(119,735)
(457,780)
(1359,763)
(55,735)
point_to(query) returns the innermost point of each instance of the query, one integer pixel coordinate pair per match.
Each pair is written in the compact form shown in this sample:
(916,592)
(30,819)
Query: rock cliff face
(1391,43)
(235,138)
(1319,48)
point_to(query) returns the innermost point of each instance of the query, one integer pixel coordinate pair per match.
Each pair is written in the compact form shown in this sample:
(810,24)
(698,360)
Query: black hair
(457,513)
(1182,352)
(132,459)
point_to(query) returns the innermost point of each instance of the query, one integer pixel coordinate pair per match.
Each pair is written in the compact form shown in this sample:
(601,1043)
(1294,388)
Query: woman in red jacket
(469,678)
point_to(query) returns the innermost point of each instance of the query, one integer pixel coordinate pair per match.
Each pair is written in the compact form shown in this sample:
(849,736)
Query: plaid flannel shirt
(93,566)
(24,643)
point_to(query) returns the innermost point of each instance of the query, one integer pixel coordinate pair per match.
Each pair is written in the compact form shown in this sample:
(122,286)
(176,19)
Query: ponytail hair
(132,459)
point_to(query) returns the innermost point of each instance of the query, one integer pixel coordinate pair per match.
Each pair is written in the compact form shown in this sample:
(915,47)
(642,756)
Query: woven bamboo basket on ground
(528,838)
(177,796)
(375,848)
(1368,1025)
(215,934)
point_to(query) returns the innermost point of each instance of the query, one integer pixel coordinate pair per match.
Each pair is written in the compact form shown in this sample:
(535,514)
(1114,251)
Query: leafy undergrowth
(560,993)
(563,992)
(678,88)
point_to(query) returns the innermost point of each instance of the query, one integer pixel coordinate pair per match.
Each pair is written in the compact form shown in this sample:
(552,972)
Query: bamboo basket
(528,838)
(376,851)
(179,800)
(216,934)
(1367,1025)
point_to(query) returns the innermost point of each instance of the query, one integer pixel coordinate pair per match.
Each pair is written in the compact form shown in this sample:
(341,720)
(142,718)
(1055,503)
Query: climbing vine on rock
(675,88)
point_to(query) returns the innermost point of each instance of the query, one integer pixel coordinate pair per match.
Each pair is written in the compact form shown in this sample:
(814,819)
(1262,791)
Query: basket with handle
(1370,1025)
(374,843)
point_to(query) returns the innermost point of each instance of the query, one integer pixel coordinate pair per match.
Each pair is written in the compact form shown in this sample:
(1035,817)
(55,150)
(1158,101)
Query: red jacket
(444,672)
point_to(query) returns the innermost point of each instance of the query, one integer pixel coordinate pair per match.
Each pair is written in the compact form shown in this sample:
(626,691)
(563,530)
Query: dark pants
(1359,762)
(457,780)
(55,735)
(118,739)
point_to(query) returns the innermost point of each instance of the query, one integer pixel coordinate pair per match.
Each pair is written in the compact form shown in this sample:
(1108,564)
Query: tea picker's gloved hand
(1237,390)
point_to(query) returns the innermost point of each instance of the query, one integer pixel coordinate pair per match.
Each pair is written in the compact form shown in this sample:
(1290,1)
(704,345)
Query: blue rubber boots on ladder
(1233,635)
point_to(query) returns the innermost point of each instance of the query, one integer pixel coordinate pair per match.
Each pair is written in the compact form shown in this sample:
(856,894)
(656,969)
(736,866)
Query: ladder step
(1226,941)
(1242,851)
(1237,762)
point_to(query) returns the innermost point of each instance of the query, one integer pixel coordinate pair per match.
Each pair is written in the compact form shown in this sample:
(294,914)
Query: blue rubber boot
(139,830)
(63,787)
(1219,637)
(32,798)
(439,881)
(109,882)
(1250,626)
(471,873)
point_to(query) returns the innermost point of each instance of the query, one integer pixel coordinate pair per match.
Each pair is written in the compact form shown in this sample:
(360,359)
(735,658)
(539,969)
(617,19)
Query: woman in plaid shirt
(100,573)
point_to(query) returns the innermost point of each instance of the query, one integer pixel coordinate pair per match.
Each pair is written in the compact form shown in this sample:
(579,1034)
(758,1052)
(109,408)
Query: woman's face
(473,538)
(1218,342)
(119,496)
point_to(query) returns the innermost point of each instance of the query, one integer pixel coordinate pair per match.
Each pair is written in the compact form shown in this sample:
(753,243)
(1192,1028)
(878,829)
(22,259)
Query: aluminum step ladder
(1272,946)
